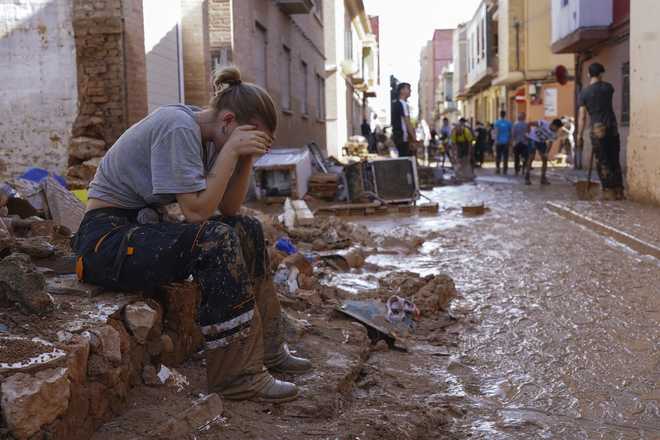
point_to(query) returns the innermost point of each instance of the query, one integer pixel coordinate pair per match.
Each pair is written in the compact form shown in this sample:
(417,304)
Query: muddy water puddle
(560,329)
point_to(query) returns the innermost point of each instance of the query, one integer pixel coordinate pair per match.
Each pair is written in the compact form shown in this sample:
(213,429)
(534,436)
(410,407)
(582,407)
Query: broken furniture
(389,180)
(283,173)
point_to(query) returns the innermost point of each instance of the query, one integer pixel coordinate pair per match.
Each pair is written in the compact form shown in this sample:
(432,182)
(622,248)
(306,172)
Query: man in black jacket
(596,100)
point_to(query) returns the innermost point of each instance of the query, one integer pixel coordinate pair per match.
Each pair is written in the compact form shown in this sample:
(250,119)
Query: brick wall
(109,40)
(134,61)
(39,93)
(196,51)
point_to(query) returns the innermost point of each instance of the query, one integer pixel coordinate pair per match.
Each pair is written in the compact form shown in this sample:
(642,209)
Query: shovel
(587,190)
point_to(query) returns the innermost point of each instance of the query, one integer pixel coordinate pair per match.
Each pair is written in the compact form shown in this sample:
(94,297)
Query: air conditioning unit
(291,7)
(392,180)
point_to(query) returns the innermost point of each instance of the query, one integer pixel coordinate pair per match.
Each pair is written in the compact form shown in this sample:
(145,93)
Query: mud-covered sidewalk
(554,335)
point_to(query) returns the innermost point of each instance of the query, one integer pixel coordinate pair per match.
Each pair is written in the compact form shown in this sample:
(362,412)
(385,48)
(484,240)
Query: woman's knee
(217,236)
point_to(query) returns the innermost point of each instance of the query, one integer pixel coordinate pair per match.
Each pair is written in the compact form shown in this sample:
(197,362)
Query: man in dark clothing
(365,128)
(402,130)
(481,144)
(520,143)
(596,100)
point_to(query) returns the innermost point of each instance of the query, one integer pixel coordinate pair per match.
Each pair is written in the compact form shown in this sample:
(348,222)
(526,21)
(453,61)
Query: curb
(622,237)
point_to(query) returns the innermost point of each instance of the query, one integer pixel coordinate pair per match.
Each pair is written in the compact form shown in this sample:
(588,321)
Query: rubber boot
(276,353)
(237,371)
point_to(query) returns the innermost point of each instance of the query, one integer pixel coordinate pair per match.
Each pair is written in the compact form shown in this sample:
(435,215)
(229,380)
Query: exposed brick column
(112,90)
(196,55)
(134,61)
(220,30)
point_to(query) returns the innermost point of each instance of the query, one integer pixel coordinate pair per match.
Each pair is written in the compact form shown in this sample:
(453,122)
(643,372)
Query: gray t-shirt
(154,160)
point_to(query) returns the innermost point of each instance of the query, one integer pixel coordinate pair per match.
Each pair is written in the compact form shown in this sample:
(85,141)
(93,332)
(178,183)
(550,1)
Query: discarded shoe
(409,308)
(395,309)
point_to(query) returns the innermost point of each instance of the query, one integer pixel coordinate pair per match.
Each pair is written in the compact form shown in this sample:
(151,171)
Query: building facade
(434,57)
(643,152)
(352,70)
(446,105)
(527,66)
(280,46)
(481,102)
(597,31)
(459,79)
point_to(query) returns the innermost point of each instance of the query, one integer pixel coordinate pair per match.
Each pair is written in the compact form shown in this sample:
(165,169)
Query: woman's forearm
(198,207)
(238,187)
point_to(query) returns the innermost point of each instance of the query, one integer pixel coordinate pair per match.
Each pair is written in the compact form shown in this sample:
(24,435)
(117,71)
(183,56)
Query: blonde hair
(246,100)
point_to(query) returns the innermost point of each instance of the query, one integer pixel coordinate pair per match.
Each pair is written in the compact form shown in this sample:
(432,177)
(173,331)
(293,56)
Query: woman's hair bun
(226,77)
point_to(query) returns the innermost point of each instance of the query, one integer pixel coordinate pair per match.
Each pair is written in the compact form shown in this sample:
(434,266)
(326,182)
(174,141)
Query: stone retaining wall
(72,396)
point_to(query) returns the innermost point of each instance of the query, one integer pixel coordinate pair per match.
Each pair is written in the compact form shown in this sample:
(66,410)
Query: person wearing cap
(596,101)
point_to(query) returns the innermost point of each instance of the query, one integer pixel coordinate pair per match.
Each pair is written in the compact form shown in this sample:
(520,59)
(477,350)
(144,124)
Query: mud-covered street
(556,336)
(561,336)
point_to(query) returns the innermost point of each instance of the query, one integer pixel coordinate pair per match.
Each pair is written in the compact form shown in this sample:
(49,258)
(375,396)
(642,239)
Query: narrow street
(561,326)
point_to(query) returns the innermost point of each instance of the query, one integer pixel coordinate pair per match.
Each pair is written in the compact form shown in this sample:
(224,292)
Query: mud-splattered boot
(237,371)
(276,353)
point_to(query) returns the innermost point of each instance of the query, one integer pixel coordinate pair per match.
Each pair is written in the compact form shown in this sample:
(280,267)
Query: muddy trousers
(606,152)
(239,312)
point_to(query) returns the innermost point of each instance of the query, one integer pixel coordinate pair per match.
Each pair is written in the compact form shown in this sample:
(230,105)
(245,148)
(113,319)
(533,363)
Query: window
(320,97)
(286,79)
(305,89)
(625,95)
(260,58)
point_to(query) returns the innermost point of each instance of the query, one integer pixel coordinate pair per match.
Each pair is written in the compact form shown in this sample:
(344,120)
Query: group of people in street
(467,146)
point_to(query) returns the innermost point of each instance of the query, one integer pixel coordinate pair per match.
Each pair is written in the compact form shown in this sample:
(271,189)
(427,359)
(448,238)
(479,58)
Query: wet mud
(559,336)
(555,334)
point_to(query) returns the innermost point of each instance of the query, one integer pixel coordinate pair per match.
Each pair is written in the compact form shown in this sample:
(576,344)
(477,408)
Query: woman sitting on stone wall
(201,159)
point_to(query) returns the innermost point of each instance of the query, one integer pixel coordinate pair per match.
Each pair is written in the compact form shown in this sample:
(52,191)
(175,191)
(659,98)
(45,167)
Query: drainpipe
(517,26)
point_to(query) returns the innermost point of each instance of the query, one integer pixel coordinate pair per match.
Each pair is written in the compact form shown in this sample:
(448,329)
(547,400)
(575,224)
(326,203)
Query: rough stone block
(30,402)
(180,303)
(139,319)
(21,283)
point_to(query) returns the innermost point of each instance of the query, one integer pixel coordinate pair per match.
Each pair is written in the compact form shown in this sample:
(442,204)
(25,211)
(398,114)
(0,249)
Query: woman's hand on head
(246,140)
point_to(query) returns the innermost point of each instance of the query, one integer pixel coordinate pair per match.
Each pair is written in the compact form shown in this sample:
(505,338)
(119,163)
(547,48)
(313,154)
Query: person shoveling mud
(159,161)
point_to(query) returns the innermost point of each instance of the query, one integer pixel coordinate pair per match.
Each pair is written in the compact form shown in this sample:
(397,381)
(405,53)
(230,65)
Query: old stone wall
(39,91)
(109,41)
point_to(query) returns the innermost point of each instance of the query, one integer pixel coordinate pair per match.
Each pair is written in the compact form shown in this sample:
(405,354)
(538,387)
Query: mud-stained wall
(39,85)
(644,140)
